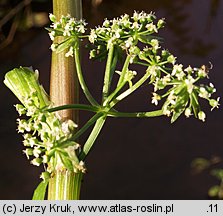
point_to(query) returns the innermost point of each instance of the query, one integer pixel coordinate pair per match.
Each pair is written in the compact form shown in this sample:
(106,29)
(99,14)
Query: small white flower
(129,42)
(117,34)
(214,103)
(155,99)
(68,27)
(171,59)
(56,25)
(151,27)
(20,109)
(153,70)
(161,23)
(202,116)
(53,47)
(68,126)
(203,71)
(203,93)
(36,161)
(176,69)
(189,82)
(52,17)
(52,35)
(180,75)
(92,36)
(166,111)
(45,159)
(28,152)
(213,88)
(70,52)
(66,33)
(23,126)
(32,141)
(36,152)
(155,44)
(187,112)
(106,23)
(136,16)
(81,29)
(135,25)
(81,167)
(166,79)
(189,69)
(172,98)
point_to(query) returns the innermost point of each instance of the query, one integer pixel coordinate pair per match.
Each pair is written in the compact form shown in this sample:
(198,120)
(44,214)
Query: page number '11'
(213,208)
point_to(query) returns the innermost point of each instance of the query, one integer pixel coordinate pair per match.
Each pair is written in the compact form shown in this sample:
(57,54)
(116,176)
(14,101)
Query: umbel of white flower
(47,139)
(127,35)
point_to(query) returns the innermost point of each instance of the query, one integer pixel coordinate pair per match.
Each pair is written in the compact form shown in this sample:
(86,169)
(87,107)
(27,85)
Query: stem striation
(64,184)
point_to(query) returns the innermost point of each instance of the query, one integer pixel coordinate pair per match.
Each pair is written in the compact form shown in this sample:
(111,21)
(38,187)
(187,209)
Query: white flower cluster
(183,91)
(124,34)
(68,27)
(125,31)
(46,137)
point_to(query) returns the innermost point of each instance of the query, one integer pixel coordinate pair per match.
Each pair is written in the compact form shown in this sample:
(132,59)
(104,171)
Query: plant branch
(124,70)
(136,114)
(81,78)
(130,90)
(86,126)
(91,139)
(107,77)
(75,107)
(109,113)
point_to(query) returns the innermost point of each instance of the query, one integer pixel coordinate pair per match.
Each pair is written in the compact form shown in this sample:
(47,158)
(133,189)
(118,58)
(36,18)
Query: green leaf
(65,44)
(194,103)
(181,104)
(40,191)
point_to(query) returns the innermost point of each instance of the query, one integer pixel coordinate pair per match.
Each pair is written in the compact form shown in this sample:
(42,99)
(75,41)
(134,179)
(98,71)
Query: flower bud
(202,116)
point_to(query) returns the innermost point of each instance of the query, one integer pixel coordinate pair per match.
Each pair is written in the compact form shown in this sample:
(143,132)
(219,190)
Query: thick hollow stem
(63,79)
(64,184)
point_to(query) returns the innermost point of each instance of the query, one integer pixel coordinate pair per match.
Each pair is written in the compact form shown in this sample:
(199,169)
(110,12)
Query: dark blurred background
(132,158)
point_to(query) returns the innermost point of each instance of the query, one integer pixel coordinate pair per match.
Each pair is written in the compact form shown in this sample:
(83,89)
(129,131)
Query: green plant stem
(136,114)
(130,90)
(113,94)
(81,78)
(108,70)
(91,139)
(86,126)
(109,113)
(124,70)
(75,107)
(65,185)
(121,82)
